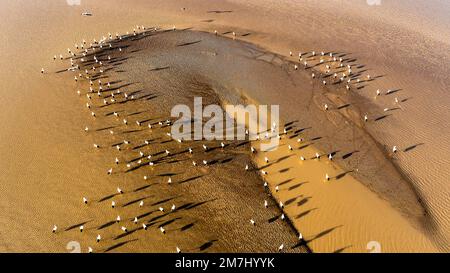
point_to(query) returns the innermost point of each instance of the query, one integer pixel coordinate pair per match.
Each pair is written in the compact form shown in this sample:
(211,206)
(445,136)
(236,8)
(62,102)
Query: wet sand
(53,164)
(214,202)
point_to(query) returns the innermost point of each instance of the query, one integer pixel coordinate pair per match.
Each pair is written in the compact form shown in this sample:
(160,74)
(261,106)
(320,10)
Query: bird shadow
(119,245)
(410,148)
(340,250)
(187,227)
(207,245)
(77,225)
(323,233)
(349,154)
(108,224)
(303,214)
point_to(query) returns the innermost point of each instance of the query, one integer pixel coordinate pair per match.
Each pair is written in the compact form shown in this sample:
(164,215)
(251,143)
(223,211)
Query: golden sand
(48,164)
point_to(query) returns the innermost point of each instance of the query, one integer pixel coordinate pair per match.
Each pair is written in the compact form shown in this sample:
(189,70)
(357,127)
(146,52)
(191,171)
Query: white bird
(113,204)
(178,250)
(300,236)
(204,147)
(253,150)
(290,148)
(266,159)
(330,157)
(110,171)
(280,248)
(173,207)
(222,144)
(281,205)
(135,221)
(317,156)
(194,163)
(246,167)
(144,226)
(90,250)
(124,229)
(252,222)
(205,162)
(81,228)
(42,70)
(190,151)
(99,238)
(277,188)
(327,177)
(266,204)
(366,118)
(119,190)
(86,129)
(162,230)
(282,216)
(141,204)
(117,161)
(169,181)
(96,146)
(325,107)
(55,228)
(302,158)
(394,149)
(118,219)
(161,209)
(263,172)
(85,200)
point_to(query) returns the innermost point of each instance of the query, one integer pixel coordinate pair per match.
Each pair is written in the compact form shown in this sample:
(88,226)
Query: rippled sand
(49,163)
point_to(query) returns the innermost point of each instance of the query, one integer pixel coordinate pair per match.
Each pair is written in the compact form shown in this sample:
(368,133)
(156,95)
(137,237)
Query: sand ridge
(172,42)
(40,166)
